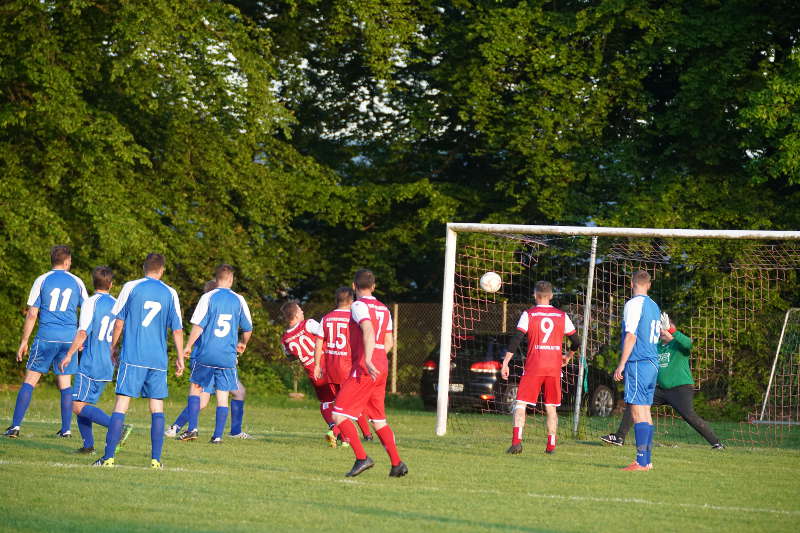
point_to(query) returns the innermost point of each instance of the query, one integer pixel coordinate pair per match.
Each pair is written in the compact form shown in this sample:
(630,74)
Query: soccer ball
(491,282)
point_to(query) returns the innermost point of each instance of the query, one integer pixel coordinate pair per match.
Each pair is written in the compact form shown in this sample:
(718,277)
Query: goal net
(727,290)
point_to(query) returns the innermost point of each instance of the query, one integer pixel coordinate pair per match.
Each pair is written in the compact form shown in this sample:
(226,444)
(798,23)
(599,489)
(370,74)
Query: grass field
(286,479)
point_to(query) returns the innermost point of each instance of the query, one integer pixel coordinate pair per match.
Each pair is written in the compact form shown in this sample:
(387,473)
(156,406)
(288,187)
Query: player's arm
(683,341)
(177,336)
(193,336)
(77,342)
(318,358)
(513,346)
(627,349)
(27,329)
(243,340)
(574,345)
(368,336)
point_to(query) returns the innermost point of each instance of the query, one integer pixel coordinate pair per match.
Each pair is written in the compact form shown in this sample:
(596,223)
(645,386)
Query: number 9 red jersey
(545,326)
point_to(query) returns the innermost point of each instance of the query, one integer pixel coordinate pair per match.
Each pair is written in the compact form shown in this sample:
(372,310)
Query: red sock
(326,408)
(387,439)
(551,442)
(516,436)
(363,423)
(336,431)
(350,434)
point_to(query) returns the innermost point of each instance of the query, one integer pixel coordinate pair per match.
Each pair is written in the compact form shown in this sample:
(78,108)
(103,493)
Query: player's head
(543,290)
(223,275)
(292,312)
(102,277)
(364,280)
(640,281)
(210,285)
(60,256)
(344,297)
(154,265)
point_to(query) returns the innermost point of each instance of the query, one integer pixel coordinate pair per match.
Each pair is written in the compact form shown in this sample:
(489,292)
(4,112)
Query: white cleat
(241,435)
(171,431)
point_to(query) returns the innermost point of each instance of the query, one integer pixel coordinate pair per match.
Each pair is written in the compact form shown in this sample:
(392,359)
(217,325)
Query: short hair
(154,262)
(364,279)
(59,254)
(101,278)
(344,295)
(543,287)
(290,310)
(640,278)
(223,271)
(210,285)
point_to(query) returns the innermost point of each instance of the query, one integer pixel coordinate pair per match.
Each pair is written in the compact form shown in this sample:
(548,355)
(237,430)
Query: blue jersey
(57,294)
(98,323)
(149,307)
(642,317)
(221,313)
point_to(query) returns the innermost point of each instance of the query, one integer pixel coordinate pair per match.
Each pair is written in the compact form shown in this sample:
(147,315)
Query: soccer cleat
(344,444)
(241,435)
(612,439)
(368,438)
(550,450)
(172,431)
(64,434)
(359,466)
(215,440)
(107,463)
(398,470)
(636,467)
(188,435)
(331,439)
(12,432)
(515,449)
(126,432)
(155,464)
(85,451)
(718,446)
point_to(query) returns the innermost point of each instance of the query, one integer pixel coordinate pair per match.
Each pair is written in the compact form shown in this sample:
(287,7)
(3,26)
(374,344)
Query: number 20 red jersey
(369,308)
(336,345)
(545,326)
(300,342)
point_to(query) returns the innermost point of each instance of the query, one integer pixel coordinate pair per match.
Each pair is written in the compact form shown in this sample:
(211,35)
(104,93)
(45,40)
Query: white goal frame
(772,375)
(448,292)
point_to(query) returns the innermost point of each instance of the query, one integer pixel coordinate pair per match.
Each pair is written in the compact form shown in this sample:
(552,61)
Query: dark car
(475,381)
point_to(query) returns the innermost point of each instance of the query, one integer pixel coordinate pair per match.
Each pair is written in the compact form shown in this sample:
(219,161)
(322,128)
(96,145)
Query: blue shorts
(86,389)
(640,381)
(46,355)
(139,381)
(213,378)
(207,390)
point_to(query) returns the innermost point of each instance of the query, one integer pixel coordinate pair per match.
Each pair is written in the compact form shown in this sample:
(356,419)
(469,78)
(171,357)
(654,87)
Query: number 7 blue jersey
(221,313)
(149,307)
(642,317)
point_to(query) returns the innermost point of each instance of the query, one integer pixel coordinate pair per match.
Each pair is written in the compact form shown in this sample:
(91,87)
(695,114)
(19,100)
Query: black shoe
(64,434)
(718,446)
(12,432)
(188,435)
(368,438)
(612,439)
(217,440)
(515,449)
(399,471)
(85,450)
(359,466)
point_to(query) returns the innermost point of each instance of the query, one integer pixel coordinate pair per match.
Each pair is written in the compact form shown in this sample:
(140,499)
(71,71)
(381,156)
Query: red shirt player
(298,342)
(333,353)
(545,327)
(365,389)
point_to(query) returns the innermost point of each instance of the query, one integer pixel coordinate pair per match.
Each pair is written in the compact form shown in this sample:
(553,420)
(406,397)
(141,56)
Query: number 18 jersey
(545,326)
(221,313)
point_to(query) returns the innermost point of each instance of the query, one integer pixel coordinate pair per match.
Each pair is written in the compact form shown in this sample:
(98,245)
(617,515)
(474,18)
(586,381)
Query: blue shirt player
(54,299)
(219,316)
(145,310)
(95,367)
(639,364)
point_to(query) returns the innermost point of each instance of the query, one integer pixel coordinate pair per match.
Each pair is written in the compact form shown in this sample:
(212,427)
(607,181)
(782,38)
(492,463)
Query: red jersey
(368,308)
(299,341)
(545,326)
(336,345)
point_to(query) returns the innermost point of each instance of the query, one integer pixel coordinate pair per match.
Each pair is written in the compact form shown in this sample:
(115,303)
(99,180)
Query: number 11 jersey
(545,326)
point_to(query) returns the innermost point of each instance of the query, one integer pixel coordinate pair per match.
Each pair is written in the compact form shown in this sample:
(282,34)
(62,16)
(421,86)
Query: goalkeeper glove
(666,325)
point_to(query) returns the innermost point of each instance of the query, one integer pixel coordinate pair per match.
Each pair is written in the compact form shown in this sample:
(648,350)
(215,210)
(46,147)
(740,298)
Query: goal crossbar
(448,293)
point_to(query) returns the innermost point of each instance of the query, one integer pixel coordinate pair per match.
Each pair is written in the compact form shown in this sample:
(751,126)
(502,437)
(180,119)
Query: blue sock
(95,415)
(66,409)
(237,413)
(113,434)
(650,430)
(222,417)
(194,412)
(182,418)
(23,401)
(85,427)
(642,432)
(157,435)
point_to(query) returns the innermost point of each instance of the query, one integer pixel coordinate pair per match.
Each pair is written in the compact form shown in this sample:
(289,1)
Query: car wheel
(507,399)
(601,403)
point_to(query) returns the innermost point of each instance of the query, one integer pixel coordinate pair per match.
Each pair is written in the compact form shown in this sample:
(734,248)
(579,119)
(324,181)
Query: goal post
(783,376)
(463,302)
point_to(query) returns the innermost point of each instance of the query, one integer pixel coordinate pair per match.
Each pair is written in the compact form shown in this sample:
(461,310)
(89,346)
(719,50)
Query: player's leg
(681,398)
(363,425)
(350,403)
(157,428)
(237,411)
(23,400)
(552,399)
(618,438)
(527,394)
(376,411)
(117,420)
(640,384)
(193,406)
(64,382)
(221,415)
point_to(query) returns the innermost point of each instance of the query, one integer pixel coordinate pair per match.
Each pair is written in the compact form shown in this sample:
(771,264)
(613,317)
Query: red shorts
(530,386)
(360,395)
(325,392)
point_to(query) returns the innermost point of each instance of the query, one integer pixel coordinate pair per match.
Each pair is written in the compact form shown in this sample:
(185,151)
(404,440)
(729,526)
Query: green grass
(287,480)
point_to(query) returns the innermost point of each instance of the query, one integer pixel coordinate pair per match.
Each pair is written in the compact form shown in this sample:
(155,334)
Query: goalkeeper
(675,386)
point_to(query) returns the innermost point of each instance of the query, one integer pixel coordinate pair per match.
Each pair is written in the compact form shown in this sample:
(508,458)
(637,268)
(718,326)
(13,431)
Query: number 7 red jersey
(545,326)
(336,345)
(369,308)
(299,341)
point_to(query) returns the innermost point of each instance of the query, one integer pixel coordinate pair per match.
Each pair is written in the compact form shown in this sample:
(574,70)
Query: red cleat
(550,449)
(636,467)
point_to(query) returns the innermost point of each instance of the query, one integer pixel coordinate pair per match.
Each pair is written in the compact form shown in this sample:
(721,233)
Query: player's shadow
(56,445)
(589,443)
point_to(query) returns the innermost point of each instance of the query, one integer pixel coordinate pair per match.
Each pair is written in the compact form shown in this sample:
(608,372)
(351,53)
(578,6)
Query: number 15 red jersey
(336,345)
(545,326)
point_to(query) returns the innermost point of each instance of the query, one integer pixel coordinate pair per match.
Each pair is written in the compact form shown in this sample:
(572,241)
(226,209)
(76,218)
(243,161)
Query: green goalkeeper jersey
(673,362)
